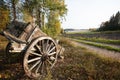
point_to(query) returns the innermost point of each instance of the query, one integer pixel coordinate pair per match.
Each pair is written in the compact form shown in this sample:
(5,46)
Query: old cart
(40,50)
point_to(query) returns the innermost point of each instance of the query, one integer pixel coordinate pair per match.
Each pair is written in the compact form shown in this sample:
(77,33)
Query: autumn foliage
(4,17)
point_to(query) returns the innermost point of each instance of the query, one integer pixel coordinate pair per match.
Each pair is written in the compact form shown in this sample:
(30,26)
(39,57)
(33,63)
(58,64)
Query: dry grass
(81,64)
(67,41)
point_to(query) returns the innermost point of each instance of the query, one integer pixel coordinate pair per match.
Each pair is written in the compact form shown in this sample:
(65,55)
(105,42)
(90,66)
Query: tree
(112,24)
(57,10)
(53,24)
(46,10)
(12,5)
(2,3)
(4,15)
(48,13)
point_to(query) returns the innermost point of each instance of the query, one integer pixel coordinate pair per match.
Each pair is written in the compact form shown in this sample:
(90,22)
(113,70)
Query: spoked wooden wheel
(40,56)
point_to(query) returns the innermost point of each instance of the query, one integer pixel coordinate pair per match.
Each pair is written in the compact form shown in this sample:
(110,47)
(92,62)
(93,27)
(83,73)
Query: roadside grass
(100,40)
(100,46)
(67,41)
(94,32)
(82,64)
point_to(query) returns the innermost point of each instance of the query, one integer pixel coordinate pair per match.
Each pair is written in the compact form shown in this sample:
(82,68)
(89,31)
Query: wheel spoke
(51,49)
(42,68)
(49,62)
(47,44)
(34,59)
(52,58)
(45,66)
(38,47)
(33,49)
(50,54)
(38,67)
(43,46)
(35,65)
(36,54)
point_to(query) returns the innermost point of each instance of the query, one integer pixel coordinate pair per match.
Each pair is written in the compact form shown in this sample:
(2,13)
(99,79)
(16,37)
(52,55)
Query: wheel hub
(44,57)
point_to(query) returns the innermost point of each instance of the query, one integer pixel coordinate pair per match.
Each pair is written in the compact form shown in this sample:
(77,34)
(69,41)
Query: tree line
(112,24)
(48,14)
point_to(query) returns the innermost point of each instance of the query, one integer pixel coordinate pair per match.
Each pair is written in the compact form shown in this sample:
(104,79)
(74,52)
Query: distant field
(109,37)
(99,39)
(114,35)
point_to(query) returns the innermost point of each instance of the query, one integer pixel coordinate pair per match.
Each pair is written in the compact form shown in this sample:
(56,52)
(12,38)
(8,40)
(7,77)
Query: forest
(112,24)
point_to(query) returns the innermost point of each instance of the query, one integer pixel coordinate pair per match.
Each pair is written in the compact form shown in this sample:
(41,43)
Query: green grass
(108,37)
(100,40)
(101,46)
(94,32)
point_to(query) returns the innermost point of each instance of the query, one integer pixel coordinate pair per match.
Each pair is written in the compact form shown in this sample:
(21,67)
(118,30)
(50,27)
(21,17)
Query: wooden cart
(40,50)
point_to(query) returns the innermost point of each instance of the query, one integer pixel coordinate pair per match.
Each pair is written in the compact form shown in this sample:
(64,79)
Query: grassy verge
(100,40)
(81,64)
(94,32)
(101,46)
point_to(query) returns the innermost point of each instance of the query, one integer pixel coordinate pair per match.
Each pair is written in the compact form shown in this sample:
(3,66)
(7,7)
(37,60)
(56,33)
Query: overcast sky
(85,14)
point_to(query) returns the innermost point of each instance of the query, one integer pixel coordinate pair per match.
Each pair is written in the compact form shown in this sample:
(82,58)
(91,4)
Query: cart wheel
(40,56)
(8,53)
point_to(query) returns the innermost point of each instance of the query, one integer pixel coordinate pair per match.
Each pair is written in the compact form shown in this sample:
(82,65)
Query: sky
(85,14)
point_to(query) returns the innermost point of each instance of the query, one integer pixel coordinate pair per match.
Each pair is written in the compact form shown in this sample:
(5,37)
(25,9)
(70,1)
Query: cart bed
(22,32)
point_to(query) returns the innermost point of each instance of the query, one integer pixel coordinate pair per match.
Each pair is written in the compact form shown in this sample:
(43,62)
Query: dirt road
(100,51)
